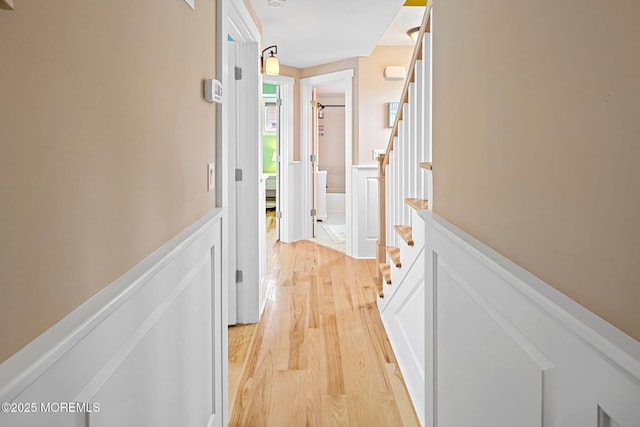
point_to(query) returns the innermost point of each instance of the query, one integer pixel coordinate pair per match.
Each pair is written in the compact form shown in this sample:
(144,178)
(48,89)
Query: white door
(250,283)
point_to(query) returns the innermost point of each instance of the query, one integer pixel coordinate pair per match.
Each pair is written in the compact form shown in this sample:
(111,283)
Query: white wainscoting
(505,349)
(150,349)
(293,209)
(364,208)
(403,316)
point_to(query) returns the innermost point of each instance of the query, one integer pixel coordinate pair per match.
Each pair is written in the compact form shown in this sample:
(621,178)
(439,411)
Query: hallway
(320,355)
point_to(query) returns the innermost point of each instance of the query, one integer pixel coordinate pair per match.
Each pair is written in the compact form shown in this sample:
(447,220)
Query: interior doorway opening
(327,134)
(271,153)
(330,227)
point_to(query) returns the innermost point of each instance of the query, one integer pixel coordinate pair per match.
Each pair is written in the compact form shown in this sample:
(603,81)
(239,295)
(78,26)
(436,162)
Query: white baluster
(412,168)
(419,77)
(399,163)
(428,88)
(406,214)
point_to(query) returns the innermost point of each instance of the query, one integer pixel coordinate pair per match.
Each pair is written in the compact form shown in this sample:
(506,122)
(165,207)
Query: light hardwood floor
(320,355)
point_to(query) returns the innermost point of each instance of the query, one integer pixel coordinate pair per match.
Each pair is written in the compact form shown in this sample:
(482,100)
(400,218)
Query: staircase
(479,340)
(405,189)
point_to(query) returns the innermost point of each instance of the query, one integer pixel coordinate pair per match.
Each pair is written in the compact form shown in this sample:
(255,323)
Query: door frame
(285,150)
(306,86)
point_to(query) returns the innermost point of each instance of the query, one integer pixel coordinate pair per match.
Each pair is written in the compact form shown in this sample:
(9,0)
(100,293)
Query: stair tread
(426,165)
(394,254)
(405,232)
(385,269)
(417,204)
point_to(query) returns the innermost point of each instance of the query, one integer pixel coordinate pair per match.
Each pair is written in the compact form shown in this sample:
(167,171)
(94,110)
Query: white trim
(306,85)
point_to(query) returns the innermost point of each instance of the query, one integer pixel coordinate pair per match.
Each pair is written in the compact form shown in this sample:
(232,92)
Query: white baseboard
(149,349)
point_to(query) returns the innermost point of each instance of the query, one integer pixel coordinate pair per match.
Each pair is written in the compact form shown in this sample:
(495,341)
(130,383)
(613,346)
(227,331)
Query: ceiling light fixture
(413,33)
(270,64)
(276,3)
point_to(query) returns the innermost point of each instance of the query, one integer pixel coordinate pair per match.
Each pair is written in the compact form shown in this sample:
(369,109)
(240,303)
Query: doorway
(330,227)
(328,181)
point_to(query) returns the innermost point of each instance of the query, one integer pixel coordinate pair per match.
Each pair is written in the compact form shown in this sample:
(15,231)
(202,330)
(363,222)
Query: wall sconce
(413,33)
(270,64)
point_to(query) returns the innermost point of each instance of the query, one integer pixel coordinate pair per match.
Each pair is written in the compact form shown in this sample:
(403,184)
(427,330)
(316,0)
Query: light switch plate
(211,176)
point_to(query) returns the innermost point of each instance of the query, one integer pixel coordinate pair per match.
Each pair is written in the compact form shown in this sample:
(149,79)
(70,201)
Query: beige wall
(537,141)
(331,143)
(104,142)
(375,92)
(295,73)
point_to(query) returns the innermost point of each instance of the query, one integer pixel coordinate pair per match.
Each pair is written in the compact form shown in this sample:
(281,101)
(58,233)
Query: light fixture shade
(272,66)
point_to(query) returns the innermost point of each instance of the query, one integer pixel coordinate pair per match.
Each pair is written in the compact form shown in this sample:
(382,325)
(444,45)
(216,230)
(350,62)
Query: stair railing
(393,191)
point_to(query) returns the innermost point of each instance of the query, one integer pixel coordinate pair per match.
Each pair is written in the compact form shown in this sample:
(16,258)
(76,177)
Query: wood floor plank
(320,355)
(314,320)
(401,396)
(334,411)
(289,401)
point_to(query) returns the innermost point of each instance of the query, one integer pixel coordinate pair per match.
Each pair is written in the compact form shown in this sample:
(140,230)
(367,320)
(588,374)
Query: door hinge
(313,157)
(237,72)
(238,276)
(314,212)
(238,174)
(278,102)
(279,215)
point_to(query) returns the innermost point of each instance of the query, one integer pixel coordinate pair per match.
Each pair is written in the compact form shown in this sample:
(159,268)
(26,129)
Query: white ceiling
(314,32)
